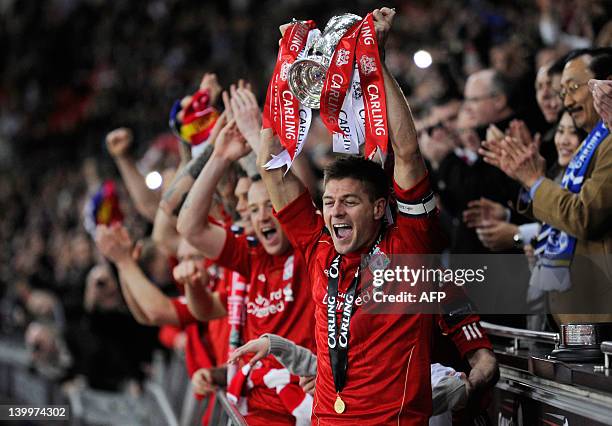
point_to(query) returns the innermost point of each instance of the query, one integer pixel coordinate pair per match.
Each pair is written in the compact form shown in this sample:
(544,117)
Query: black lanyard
(338,340)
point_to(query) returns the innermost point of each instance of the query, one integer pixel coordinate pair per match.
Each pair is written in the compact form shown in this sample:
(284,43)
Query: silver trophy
(306,76)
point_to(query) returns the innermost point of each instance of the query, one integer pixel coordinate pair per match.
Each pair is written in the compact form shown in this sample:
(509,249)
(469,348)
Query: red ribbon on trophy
(338,79)
(282,109)
(360,44)
(373,88)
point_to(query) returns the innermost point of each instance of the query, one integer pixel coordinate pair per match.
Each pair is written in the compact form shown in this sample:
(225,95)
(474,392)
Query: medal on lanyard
(338,335)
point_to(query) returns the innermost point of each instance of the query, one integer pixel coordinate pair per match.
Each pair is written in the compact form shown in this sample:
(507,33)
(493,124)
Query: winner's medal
(339,405)
(338,337)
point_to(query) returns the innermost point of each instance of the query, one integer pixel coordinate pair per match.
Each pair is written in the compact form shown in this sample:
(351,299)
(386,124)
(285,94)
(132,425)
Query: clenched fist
(190,272)
(383,19)
(119,141)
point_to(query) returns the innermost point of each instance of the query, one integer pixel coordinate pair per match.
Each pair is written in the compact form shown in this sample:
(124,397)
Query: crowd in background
(74,70)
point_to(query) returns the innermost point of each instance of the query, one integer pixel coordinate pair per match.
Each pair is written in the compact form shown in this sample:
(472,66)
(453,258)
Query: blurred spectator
(50,356)
(548,99)
(109,347)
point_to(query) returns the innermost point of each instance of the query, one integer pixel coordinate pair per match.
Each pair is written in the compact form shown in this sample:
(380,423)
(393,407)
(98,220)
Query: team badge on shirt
(288,270)
(378,260)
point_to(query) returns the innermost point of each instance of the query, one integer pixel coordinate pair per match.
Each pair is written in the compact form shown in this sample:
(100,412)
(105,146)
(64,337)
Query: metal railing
(518,334)
(606,348)
(225,412)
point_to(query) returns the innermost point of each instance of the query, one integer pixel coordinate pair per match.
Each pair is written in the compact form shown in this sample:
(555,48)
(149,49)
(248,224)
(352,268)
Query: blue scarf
(555,248)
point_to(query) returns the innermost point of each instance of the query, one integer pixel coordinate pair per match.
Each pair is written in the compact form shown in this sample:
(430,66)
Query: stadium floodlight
(422,59)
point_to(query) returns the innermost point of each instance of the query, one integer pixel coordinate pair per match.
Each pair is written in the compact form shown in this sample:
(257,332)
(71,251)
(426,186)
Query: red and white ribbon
(373,87)
(282,110)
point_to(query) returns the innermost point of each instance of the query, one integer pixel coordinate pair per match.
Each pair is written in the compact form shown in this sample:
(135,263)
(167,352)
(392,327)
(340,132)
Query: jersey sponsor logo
(276,302)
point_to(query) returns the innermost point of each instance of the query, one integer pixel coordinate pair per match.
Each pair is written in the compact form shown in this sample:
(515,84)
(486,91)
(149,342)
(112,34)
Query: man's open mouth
(342,230)
(269,232)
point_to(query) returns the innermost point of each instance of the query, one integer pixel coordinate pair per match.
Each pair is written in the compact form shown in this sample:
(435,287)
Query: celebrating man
(278,295)
(385,355)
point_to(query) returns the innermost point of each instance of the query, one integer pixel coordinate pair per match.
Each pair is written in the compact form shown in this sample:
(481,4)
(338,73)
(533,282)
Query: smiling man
(373,369)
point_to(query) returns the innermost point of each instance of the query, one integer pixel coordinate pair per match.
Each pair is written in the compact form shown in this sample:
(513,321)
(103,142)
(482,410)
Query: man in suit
(486,102)
(584,215)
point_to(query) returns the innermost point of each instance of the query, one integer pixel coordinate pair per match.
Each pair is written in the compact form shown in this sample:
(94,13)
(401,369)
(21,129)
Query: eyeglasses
(444,124)
(570,90)
(429,130)
(481,98)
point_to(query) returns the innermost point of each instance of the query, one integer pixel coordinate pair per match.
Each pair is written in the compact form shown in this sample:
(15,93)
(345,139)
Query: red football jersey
(278,298)
(388,378)
(183,313)
(278,301)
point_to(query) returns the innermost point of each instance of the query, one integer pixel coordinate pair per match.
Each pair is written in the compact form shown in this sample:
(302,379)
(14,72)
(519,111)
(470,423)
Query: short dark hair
(557,66)
(594,53)
(576,53)
(601,66)
(369,173)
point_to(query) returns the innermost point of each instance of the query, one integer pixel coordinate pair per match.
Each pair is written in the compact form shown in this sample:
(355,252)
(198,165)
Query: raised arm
(115,244)
(409,164)
(202,303)
(133,305)
(193,223)
(118,143)
(283,188)
(173,197)
(164,234)
(245,110)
